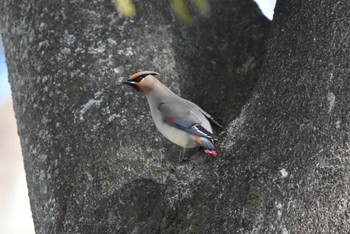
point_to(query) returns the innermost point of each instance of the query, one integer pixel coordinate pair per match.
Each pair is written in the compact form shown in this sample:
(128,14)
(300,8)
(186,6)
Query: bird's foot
(183,159)
(212,152)
(182,156)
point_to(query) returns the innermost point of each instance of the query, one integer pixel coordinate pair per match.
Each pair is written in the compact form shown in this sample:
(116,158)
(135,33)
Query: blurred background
(15,214)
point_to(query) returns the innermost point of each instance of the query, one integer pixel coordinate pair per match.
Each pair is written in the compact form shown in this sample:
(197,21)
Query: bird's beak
(132,84)
(128,82)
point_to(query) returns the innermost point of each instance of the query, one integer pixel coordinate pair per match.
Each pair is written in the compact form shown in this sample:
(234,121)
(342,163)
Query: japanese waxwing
(179,120)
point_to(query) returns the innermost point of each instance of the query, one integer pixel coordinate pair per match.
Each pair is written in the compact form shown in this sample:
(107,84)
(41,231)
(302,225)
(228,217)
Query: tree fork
(88,164)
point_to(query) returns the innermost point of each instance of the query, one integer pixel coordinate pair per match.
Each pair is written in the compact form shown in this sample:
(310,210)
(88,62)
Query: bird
(179,120)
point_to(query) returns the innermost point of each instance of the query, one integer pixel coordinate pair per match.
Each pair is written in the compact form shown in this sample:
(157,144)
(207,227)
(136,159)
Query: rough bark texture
(93,159)
(291,142)
(95,163)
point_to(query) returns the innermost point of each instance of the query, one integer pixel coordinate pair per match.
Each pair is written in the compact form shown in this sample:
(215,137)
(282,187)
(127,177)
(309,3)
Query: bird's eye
(138,79)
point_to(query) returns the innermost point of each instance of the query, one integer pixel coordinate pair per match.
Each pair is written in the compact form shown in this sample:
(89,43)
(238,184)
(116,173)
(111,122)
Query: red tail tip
(212,152)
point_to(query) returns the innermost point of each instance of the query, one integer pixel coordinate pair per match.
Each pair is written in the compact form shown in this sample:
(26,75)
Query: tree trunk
(289,154)
(95,163)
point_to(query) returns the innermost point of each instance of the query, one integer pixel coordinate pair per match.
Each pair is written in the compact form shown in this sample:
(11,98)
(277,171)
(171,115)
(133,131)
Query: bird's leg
(182,156)
(212,152)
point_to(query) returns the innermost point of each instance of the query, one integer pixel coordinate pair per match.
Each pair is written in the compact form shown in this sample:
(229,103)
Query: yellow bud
(181,11)
(202,5)
(125,7)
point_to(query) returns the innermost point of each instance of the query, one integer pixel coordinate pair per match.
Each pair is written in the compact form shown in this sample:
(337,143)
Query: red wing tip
(212,152)
(169,119)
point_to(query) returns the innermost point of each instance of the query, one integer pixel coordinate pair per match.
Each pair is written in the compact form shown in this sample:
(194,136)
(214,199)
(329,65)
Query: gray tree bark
(96,164)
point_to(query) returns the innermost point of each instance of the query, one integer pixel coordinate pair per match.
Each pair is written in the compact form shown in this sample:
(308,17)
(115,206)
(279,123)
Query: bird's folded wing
(206,114)
(183,119)
(211,119)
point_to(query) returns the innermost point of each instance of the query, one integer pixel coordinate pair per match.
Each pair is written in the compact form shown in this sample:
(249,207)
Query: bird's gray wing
(179,115)
(210,118)
(206,114)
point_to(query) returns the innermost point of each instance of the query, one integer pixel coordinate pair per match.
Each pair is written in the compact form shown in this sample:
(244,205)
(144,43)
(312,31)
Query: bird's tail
(208,145)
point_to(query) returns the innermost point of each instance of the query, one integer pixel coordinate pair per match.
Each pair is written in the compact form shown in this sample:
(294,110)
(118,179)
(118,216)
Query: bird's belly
(178,136)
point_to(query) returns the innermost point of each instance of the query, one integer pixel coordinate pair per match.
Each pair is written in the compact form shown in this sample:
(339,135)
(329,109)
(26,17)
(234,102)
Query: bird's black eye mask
(139,78)
(142,76)
(133,82)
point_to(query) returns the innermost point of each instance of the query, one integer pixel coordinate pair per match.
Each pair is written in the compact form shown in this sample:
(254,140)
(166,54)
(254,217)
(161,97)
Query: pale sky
(4,85)
(267,7)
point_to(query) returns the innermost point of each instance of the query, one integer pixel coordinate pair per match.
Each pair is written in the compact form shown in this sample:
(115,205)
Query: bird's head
(142,80)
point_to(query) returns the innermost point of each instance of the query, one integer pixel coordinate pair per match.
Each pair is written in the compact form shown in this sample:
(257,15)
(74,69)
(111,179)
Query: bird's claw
(183,159)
